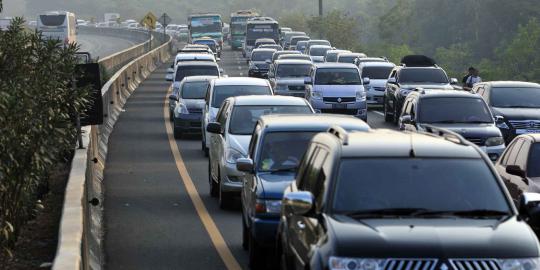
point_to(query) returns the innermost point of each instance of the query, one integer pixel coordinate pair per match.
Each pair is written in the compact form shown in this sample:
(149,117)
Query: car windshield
(318,51)
(222,92)
(416,183)
(339,76)
(453,110)
(52,20)
(519,97)
(347,59)
(283,151)
(301,45)
(331,57)
(376,73)
(533,170)
(244,118)
(186,71)
(194,90)
(262,56)
(422,75)
(284,70)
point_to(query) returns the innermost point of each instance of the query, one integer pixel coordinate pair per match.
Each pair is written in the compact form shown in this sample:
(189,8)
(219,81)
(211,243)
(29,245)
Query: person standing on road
(469,74)
(473,79)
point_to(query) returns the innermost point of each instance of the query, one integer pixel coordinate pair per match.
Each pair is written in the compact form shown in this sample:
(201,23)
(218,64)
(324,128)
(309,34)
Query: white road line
(379,113)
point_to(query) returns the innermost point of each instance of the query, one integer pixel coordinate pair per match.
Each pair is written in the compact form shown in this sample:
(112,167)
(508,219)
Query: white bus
(60,25)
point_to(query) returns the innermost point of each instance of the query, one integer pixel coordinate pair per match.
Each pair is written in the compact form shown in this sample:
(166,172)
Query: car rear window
(453,110)
(283,150)
(286,70)
(533,170)
(347,59)
(52,20)
(518,97)
(194,90)
(421,75)
(337,76)
(376,73)
(262,56)
(186,71)
(222,92)
(318,51)
(244,118)
(466,184)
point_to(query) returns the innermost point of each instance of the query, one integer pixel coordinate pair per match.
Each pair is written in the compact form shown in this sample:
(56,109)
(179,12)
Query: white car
(223,88)
(231,134)
(318,52)
(375,75)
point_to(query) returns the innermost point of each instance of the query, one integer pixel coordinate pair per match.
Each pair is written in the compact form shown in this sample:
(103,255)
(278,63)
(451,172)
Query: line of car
(325,191)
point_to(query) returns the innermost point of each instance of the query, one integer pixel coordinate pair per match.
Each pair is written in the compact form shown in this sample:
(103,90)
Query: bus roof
(203,15)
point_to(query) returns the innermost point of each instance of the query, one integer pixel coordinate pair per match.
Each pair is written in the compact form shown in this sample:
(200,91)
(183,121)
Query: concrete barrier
(80,244)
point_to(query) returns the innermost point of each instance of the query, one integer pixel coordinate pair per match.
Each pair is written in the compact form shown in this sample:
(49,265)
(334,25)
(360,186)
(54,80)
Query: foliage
(37,105)
(455,59)
(337,27)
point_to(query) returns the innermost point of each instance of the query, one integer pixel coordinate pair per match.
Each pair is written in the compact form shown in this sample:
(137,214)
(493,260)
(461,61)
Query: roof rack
(445,133)
(340,133)
(417,61)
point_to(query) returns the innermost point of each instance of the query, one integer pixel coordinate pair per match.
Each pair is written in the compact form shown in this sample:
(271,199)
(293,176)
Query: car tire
(211,182)
(387,117)
(256,254)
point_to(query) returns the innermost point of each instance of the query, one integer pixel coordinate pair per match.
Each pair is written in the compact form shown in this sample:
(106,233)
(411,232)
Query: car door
(533,168)
(514,184)
(390,92)
(405,112)
(272,76)
(217,139)
(249,189)
(303,226)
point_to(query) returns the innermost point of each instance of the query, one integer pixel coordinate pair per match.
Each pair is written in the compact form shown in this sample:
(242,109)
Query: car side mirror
(244,165)
(453,81)
(366,80)
(221,71)
(515,170)
(298,203)
(392,81)
(499,119)
(169,77)
(215,128)
(173,97)
(170,70)
(308,80)
(528,206)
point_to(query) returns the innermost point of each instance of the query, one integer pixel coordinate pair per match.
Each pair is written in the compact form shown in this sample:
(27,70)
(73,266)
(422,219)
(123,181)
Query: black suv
(415,71)
(386,200)
(458,111)
(516,105)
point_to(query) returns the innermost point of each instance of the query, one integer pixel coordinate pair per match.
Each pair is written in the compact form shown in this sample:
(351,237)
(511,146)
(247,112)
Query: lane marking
(379,113)
(217,239)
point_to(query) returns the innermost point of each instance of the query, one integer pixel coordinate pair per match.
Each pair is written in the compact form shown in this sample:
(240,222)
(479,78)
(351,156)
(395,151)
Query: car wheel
(387,116)
(211,182)
(256,254)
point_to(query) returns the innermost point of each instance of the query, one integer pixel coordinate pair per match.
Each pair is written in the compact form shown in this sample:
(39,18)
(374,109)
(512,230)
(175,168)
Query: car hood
(472,130)
(427,86)
(290,80)
(239,142)
(433,238)
(517,113)
(273,184)
(318,59)
(338,90)
(194,103)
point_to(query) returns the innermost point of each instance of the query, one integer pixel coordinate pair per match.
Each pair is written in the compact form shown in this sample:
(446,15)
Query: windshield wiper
(385,212)
(466,213)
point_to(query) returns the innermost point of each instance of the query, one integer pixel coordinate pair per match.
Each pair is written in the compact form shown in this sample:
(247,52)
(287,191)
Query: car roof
(197,63)
(263,50)
(198,78)
(194,55)
(319,40)
(300,36)
(338,51)
(512,84)
(264,39)
(535,137)
(240,81)
(268,100)
(351,54)
(438,93)
(401,145)
(320,46)
(287,52)
(377,64)
(335,65)
(295,57)
(311,122)
(292,62)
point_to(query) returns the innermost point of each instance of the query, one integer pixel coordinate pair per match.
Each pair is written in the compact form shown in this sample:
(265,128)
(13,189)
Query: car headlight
(494,141)
(520,264)
(232,155)
(360,95)
(316,95)
(268,206)
(340,263)
(282,87)
(181,108)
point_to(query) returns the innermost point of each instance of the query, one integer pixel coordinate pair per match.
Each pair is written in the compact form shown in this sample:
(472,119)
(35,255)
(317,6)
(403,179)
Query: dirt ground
(36,246)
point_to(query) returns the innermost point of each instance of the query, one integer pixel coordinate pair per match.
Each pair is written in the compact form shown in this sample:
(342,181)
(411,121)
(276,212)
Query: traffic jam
(455,184)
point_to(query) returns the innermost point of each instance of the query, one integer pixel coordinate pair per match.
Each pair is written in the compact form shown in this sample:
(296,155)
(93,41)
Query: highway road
(158,210)
(102,46)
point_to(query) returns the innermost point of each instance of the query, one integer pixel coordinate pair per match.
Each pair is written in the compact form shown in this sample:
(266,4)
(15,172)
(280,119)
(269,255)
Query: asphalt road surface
(102,46)
(158,210)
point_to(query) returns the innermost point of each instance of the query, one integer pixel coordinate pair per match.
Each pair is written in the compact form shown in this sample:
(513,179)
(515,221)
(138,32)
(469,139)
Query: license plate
(339,106)
(524,131)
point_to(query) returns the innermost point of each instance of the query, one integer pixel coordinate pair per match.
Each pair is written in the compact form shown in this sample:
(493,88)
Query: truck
(206,25)
(238,27)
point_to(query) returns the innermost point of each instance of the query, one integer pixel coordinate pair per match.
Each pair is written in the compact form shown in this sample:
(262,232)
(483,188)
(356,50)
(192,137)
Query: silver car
(375,75)
(287,77)
(223,88)
(231,134)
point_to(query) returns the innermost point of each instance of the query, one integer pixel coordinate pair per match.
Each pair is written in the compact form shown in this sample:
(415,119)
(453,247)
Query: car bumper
(259,73)
(375,97)
(493,152)
(358,109)
(264,231)
(231,178)
(190,123)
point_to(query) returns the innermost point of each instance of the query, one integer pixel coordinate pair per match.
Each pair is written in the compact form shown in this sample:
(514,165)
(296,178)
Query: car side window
(254,140)
(506,154)
(521,157)
(207,98)
(480,91)
(514,152)
(393,74)
(306,166)
(313,175)
(222,114)
(319,186)
(407,107)
(412,111)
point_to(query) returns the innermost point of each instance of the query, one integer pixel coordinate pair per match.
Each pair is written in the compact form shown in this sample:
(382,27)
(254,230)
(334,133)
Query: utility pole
(320,8)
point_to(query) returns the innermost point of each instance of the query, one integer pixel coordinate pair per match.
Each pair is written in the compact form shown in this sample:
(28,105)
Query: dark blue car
(276,148)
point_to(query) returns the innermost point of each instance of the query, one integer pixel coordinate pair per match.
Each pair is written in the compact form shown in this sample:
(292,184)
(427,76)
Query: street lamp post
(320,8)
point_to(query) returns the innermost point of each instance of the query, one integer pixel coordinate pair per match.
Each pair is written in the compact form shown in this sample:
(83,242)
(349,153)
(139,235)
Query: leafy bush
(37,108)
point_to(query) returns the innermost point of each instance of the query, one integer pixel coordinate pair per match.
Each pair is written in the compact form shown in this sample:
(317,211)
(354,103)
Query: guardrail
(80,243)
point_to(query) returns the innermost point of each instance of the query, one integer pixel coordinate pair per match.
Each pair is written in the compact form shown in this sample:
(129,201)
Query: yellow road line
(217,239)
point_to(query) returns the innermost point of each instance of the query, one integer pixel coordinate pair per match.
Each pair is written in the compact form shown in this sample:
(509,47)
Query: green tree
(37,105)
(454,59)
